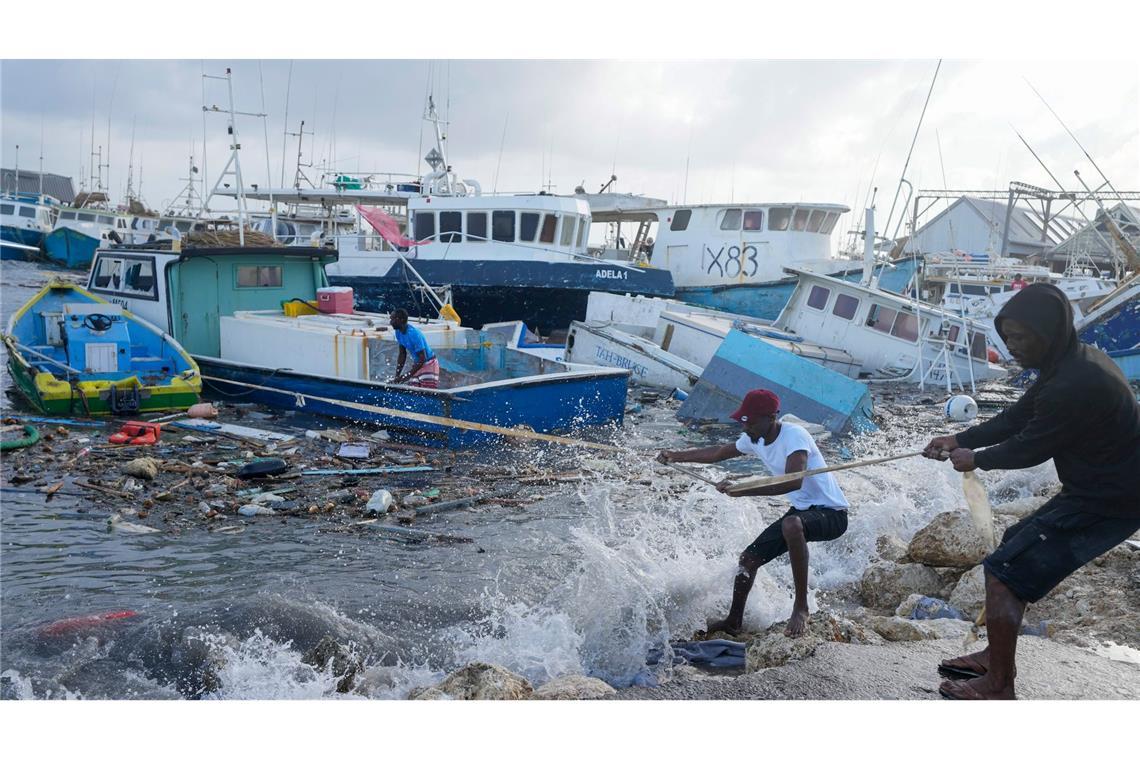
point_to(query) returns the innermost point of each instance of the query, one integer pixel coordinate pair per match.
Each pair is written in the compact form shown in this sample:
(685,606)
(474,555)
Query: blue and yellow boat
(70,352)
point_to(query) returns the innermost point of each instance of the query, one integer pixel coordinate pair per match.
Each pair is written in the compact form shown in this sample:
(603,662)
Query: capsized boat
(72,353)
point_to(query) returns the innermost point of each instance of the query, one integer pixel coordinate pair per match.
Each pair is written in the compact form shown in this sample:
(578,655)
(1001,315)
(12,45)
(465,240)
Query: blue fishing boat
(25,219)
(71,352)
(806,389)
(1113,325)
(248,317)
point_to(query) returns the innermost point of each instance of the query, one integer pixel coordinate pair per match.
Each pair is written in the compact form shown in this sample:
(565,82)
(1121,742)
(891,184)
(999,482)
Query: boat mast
(233,165)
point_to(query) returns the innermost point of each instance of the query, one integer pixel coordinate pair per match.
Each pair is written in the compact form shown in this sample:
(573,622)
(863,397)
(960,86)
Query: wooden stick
(429,418)
(750,483)
(691,473)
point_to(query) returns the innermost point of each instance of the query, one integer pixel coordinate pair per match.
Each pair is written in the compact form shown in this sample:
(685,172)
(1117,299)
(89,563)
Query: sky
(687,131)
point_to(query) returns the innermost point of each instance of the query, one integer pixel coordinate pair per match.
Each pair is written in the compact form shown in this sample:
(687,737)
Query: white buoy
(961,408)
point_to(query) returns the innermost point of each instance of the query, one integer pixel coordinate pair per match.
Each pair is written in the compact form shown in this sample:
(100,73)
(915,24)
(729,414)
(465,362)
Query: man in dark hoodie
(1081,414)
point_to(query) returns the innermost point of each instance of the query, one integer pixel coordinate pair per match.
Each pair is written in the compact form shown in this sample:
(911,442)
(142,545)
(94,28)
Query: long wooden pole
(431,418)
(750,483)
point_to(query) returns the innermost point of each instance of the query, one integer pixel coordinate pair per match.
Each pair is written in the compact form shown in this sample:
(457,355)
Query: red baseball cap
(757,403)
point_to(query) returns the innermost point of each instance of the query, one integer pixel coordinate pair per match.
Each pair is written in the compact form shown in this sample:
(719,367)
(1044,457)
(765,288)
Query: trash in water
(354,450)
(255,510)
(380,502)
(260,468)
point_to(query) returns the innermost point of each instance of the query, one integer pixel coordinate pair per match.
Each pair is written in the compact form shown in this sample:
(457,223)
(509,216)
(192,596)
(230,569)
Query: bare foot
(974,689)
(725,626)
(797,624)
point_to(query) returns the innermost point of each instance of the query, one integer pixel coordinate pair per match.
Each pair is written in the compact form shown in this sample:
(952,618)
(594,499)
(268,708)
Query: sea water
(585,581)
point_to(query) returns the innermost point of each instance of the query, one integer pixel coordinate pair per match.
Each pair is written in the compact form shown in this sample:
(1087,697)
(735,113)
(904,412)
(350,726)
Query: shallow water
(585,581)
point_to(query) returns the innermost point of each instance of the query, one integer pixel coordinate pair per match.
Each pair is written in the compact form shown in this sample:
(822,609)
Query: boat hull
(543,403)
(765,300)
(33,238)
(93,398)
(70,248)
(546,296)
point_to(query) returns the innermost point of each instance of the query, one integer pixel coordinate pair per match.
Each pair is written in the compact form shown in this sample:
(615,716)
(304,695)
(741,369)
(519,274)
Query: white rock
(885,584)
(970,593)
(772,648)
(478,681)
(950,540)
(890,547)
(901,629)
(574,687)
(142,467)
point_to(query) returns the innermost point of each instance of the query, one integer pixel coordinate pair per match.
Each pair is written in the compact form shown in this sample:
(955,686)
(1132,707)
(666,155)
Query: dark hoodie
(1080,413)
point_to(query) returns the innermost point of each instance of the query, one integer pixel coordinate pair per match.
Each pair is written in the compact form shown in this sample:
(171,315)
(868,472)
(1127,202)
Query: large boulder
(478,680)
(772,648)
(901,629)
(574,687)
(970,593)
(885,584)
(950,540)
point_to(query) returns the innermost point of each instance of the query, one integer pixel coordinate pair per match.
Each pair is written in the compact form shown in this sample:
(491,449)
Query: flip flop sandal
(960,690)
(954,672)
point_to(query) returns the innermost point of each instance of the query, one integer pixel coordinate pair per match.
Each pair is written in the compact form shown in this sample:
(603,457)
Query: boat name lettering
(611,274)
(617,360)
(737,261)
(120,301)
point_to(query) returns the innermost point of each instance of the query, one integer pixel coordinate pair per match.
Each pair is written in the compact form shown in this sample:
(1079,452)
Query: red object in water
(137,434)
(75,624)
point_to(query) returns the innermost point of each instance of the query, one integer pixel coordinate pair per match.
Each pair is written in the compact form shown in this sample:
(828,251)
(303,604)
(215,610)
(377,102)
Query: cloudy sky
(683,130)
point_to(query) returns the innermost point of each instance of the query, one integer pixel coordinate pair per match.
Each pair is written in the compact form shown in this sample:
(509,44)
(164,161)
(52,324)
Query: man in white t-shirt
(818,513)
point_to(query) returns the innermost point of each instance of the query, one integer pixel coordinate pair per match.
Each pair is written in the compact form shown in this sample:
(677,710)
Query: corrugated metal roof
(1085,239)
(55,185)
(1025,224)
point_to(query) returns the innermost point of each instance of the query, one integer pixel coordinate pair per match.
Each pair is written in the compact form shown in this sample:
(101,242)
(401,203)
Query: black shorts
(1043,549)
(820,524)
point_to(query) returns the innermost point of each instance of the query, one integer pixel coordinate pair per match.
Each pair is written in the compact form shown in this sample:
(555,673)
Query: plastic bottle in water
(255,510)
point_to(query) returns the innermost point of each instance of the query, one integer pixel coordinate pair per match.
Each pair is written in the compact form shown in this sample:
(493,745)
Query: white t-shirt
(817,490)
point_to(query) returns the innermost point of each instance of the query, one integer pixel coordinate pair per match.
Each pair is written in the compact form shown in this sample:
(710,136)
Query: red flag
(387,227)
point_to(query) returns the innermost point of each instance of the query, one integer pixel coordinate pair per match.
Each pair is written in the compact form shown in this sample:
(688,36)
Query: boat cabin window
(183,226)
(978,346)
(549,222)
(450,226)
(845,306)
(528,226)
(132,276)
(503,226)
(799,220)
(906,327)
(46,215)
(258,277)
(817,298)
(680,221)
(85,217)
(881,318)
(67,215)
(829,223)
(27,211)
(568,223)
(107,220)
(476,226)
(139,277)
(108,273)
(7,209)
(582,228)
(815,221)
(731,219)
(779,218)
(753,220)
(425,225)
